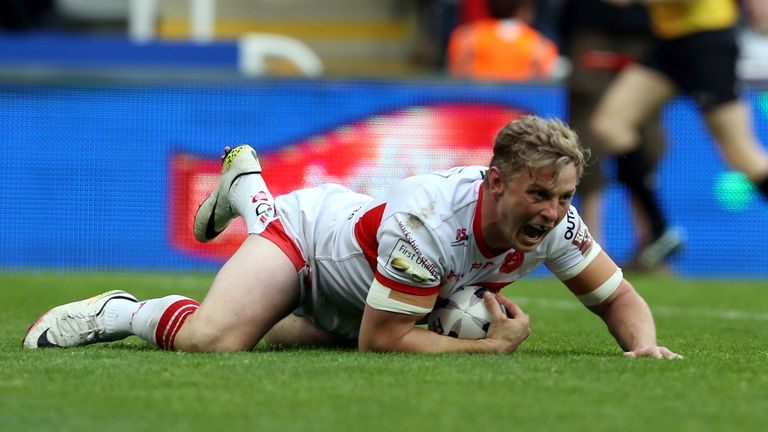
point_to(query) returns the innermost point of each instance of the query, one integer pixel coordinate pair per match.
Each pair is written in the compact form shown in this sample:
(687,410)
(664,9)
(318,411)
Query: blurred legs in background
(597,58)
(639,93)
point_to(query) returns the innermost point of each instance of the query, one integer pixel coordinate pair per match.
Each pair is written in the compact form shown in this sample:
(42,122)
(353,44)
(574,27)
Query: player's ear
(495,180)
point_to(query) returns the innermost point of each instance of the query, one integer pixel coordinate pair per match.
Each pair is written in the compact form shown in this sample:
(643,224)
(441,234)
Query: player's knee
(612,136)
(297,331)
(601,129)
(217,343)
(199,337)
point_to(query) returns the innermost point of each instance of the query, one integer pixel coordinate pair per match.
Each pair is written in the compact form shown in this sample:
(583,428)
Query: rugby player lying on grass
(327,265)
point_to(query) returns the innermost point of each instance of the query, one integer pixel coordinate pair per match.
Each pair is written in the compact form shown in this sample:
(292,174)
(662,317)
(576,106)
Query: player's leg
(731,126)
(297,330)
(657,240)
(628,106)
(254,290)
(257,286)
(636,95)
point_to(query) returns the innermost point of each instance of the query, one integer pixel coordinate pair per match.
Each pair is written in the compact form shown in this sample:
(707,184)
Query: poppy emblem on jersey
(405,266)
(512,262)
(405,259)
(400,264)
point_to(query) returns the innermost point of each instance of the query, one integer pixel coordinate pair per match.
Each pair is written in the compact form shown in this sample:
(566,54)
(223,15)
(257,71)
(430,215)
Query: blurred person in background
(757,15)
(602,40)
(547,18)
(503,47)
(753,41)
(695,53)
(436,20)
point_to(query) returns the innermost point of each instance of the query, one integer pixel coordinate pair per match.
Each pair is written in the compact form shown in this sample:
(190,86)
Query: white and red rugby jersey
(420,237)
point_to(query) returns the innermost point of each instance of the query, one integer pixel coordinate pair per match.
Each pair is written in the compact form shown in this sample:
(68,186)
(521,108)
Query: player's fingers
(668,354)
(643,353)
(654,352)
(493,305)
(513,310)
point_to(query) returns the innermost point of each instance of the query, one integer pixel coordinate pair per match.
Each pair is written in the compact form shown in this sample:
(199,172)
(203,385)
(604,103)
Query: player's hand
(655,352)
(507,330)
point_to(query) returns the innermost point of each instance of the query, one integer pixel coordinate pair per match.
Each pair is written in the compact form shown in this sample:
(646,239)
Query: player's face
(532,203)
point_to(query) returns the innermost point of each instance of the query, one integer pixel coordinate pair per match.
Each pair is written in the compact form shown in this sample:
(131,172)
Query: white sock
(157,321)
(251,199)
(117,316)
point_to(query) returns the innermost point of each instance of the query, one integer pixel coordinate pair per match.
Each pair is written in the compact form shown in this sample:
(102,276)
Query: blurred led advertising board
(107,176)
(366,156)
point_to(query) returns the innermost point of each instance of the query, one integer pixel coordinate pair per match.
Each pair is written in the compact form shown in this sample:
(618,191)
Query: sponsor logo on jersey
(583,239)
(480,265)
(577,232)
(452,275)
(408,260)
(570,224)
(512,261)
(462,238)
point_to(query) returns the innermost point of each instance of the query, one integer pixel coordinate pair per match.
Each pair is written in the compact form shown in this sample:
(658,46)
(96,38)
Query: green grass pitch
(568,376)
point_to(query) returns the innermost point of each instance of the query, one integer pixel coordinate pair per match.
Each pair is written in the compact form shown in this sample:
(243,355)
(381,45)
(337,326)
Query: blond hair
(531,142)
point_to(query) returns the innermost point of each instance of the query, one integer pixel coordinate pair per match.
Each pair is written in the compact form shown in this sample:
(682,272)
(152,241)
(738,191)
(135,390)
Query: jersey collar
(477,229)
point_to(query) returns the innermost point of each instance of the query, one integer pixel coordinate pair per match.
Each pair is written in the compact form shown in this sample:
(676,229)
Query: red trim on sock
(171,318)
(181,316)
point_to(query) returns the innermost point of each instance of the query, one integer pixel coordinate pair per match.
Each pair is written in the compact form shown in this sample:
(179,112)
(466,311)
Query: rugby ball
(462,315)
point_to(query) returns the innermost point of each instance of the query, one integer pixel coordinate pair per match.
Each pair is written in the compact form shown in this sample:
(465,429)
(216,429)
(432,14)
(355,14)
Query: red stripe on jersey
(404,288)
(365,233)
(168,318)
(275,233)
(476,228)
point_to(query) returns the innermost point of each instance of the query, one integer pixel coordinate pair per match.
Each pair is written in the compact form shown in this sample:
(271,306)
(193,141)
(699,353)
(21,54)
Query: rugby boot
(215,213)
(74,324)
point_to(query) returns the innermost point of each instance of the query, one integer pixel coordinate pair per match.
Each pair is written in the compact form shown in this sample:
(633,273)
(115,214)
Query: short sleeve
(409,256)
(570,247)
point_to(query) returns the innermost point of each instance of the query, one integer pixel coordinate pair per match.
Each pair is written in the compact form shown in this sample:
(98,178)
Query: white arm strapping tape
(603,291)
(592,253)
(378,298)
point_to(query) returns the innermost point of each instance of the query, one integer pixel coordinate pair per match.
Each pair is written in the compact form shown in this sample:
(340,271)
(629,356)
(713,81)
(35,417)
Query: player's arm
(602,288)
(390,317)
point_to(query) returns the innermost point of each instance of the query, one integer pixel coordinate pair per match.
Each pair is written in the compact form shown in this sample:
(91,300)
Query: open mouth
(535,232)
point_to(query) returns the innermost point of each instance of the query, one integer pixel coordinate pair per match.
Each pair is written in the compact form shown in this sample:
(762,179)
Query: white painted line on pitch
(657,310)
